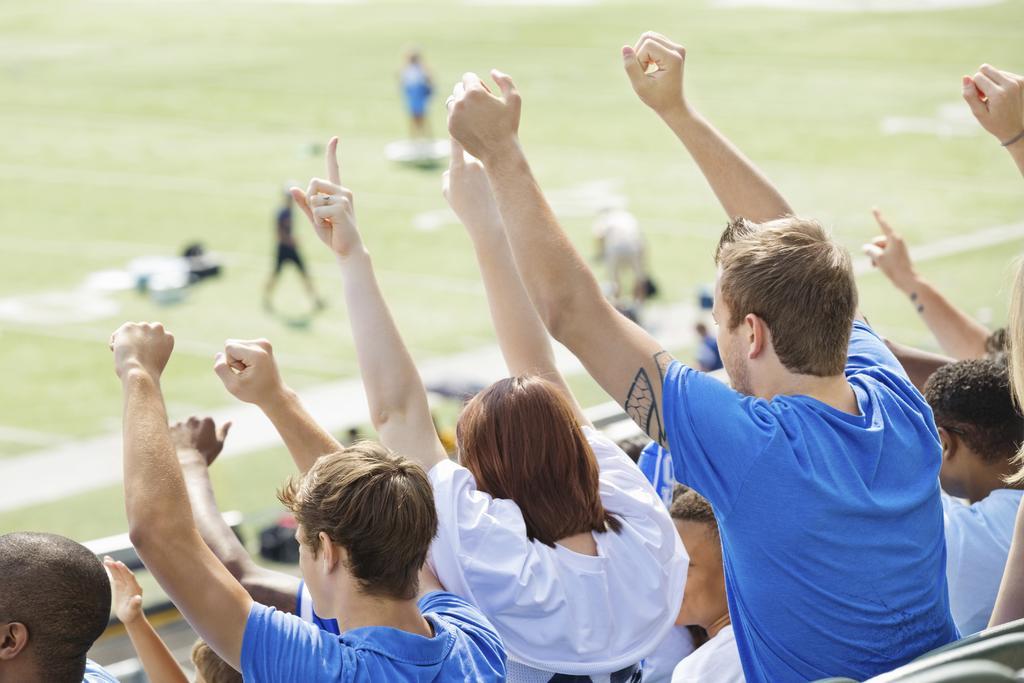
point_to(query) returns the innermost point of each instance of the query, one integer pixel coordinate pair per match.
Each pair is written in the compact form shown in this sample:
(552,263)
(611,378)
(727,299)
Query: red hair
(520,439)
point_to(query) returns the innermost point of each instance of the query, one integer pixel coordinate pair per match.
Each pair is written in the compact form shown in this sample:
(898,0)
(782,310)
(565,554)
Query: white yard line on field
(887,6)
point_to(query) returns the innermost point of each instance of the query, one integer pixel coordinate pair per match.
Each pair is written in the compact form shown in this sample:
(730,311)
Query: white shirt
(620,231)
(977,543)
(555,609)
(658,665)
(716,661)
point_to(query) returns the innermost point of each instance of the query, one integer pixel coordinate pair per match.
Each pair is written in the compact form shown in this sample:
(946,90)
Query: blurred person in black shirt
(287,251)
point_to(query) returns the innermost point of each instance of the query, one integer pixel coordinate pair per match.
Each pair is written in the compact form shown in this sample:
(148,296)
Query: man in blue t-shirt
(366,519)
(821,462)
(54,604)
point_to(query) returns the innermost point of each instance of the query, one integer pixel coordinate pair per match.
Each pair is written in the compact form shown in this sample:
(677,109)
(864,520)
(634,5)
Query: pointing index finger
(882,223)
(333,170)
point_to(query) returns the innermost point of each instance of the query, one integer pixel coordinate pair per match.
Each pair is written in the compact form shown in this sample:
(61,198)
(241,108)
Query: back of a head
(378,506)
(972,398)
(521,440)
(210,667)
(690,506)
(789,273)
(60,591)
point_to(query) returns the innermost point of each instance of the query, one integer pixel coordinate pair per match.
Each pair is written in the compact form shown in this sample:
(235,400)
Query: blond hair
(792,276)
(210,667)
(376,505)
(1015,337)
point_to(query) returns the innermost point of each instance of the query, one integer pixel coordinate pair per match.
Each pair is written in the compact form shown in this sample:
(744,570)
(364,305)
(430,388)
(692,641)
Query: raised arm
(996,99)
(198,442)
(157,661)
(626,361)
(524,341)
(655,69)
(958,334)
(159,516)
(394,390)
(249,372)
(919,365)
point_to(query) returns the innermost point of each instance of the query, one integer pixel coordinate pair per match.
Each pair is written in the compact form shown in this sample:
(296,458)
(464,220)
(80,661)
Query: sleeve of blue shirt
(867,351)
(282,647)
(714,433)
(470,621)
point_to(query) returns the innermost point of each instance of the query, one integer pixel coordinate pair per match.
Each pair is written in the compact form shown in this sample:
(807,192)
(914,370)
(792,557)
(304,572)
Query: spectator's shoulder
(463,616)
(94,673)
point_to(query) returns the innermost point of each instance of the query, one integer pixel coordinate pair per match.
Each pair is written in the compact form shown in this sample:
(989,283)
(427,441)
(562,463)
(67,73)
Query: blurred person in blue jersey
(708,358)
(656,464)
(54,604)
(288,252)
(417,87)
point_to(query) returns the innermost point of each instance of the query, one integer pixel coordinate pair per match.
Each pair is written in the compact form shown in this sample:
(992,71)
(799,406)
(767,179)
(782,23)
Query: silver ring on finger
(448,102)
(327,199)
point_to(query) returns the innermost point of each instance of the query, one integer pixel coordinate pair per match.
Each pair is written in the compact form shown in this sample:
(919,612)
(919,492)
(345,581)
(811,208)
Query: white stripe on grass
(886,6)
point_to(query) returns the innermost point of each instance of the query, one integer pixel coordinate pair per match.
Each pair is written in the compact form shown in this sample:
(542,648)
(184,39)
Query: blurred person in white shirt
(622,249)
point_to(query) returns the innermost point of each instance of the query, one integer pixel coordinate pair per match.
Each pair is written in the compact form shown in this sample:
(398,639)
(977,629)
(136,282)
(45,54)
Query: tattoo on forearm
(641,403)
(918,304)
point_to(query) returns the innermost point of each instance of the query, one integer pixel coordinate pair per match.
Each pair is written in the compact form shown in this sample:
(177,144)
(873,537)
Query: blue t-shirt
(94,673)
(282,647)
(831,523)
(656,464)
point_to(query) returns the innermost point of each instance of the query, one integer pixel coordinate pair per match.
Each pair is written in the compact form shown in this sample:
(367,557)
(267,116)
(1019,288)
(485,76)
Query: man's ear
(950,443)
(329,553)
(759,335)
(13,639)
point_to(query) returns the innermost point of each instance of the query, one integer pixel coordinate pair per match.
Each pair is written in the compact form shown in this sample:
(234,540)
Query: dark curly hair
(972,399)
(690,506)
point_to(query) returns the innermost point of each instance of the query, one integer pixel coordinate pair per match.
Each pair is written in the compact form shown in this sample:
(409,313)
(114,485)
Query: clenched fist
(996,99)
(484,124)
(199,438)
(329,207)
(249,371)
(655,69)
(141,346)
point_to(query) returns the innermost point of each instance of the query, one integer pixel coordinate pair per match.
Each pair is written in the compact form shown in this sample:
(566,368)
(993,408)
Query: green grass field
(133,127)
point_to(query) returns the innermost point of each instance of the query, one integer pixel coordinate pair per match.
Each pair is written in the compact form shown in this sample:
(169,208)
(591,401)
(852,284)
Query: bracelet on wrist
(1016,138)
